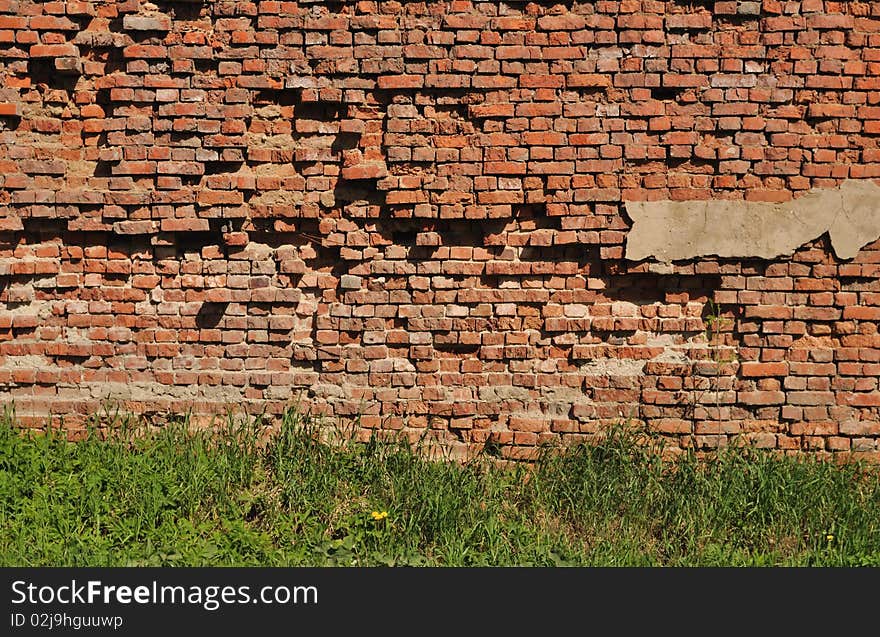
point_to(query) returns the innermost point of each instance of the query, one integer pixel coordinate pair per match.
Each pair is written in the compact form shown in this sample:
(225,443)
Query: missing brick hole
(71,357)
(404,237)
(138,36)
(555,254)
(221,167)
(654,288)
(446,111)
(210,314)
(328,257)
(224,225)
(356,192)
(345,141)
(44,230)
(699,166)
(44,72)
(528,211)
(491,448)
(743,15)
(189,180)
(12,306)
(182,9)
(320,111)
(857,283)
(104,168)
(113,61)
(589,92)
(666,93)
(118,279)
(278,97)
(691,4)
(204,66)
(457,348)
(458,432)
(192,242)
(454,97)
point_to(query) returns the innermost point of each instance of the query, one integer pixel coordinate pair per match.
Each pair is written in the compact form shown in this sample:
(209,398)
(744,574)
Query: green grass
(174,497)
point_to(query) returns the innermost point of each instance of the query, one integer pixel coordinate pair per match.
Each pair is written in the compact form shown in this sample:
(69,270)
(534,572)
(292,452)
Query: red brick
(588,80)
(754,369)
(92,111)
(185,225)
(53,51)
(401,81)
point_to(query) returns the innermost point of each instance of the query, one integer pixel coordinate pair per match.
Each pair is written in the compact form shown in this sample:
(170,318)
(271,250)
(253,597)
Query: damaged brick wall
(411,215)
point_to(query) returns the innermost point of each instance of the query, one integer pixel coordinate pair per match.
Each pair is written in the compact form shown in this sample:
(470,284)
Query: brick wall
(410,215)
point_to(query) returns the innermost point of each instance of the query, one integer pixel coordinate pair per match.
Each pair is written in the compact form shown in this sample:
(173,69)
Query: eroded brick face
(410,215)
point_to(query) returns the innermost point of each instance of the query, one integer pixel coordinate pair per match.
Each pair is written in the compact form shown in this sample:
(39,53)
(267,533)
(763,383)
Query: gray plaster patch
(676,230)
(26,361)
(613,367)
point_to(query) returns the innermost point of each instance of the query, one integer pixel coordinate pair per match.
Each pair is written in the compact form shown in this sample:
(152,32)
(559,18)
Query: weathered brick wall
(411,215)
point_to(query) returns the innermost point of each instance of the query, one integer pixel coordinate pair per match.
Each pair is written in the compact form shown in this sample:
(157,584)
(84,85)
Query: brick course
(409,215)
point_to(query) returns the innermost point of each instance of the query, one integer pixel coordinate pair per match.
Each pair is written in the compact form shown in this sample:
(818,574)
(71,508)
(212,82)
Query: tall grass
(174,496)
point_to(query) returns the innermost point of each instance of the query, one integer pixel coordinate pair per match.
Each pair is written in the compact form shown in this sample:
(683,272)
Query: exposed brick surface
(410,215)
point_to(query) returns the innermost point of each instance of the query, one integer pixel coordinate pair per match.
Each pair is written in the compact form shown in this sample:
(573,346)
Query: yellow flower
(829,537)
(379,515)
